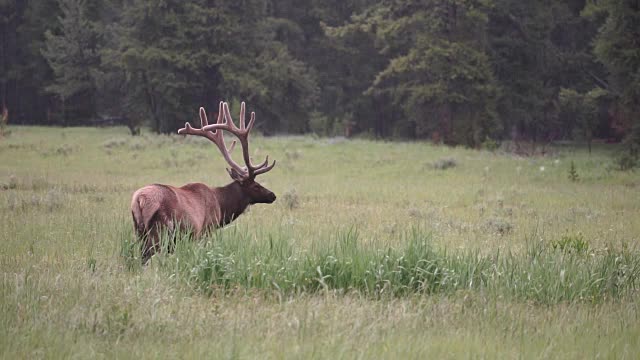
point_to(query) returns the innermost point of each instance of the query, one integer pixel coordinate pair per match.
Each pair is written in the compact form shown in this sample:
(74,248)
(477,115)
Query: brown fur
(195,207)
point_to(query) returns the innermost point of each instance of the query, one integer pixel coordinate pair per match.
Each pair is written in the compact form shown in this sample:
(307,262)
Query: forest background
(469,72)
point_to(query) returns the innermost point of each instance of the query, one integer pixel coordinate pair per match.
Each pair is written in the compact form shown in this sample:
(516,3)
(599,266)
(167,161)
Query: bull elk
(196,206)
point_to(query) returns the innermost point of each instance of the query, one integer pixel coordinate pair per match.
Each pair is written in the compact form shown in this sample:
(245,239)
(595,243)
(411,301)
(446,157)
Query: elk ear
(235,175)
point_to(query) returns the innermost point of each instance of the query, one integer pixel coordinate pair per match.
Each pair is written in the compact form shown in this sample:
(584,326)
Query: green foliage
(29,72)
(490,144)
(230,259)
(456,72)
(573,173)
(571,244)
(626,161)
(72,55)
(584,108)
(616,47)
(320,124)
(290,84)
(519,34)
(632,142)
(437,72)
(207,56)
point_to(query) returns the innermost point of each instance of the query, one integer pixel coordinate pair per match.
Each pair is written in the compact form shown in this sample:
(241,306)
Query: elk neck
(232,201)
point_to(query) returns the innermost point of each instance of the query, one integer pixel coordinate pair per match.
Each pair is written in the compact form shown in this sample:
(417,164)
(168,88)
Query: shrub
(490,144)
(499,225)
(12,183)
(292,154)
(290,199)
(573,173)
(625,162)
(320,124)
(444,163)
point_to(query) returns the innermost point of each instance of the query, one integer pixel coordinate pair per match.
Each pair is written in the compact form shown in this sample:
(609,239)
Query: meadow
(373,249)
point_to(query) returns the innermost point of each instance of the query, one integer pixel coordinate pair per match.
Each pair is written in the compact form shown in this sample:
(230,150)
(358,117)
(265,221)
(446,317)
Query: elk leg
(150,244)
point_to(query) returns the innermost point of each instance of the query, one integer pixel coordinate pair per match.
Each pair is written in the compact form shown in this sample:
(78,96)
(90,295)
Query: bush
(573,173)
(319,124)
(490,144)
(12,183)
(290,199)
(625,162)
(499,226)
(444,163)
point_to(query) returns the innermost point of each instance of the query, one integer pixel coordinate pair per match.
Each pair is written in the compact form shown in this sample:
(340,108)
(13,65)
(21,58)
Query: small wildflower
(542,168)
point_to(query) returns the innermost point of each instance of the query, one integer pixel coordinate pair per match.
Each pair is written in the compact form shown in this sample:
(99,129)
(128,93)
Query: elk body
(196,206)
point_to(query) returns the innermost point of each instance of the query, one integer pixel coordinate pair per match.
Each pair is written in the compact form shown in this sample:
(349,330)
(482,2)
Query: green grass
(370,251)
(547,274)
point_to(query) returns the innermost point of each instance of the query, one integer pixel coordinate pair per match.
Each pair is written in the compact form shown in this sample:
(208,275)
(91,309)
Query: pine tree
(177,55)
(438,72)
(616,47)
(72,55)
(8,13)
(573,173)
(584,108)
(526,65)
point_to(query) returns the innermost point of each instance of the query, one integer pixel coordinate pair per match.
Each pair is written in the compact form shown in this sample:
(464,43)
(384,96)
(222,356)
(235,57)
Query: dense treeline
(456,71)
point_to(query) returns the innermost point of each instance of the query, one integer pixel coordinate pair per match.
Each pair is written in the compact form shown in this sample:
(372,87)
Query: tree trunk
(446,124)
(64,112)
(151,103)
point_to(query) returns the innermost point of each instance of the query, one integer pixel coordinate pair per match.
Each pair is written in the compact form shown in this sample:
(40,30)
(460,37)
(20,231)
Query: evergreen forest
(459,72)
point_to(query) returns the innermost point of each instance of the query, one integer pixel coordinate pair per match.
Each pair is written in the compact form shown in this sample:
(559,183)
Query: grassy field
(372,250)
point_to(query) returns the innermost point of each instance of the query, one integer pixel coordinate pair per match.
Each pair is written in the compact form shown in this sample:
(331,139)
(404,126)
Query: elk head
(244,176)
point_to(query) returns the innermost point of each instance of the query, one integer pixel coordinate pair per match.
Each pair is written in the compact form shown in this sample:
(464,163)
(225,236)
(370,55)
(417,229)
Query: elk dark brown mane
(196,206)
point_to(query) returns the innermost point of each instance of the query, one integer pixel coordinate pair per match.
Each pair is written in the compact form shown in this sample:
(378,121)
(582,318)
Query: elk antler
(214,133)
(217,137)
(242,133)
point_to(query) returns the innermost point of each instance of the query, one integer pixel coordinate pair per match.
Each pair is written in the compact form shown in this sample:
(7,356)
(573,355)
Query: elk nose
(272,198)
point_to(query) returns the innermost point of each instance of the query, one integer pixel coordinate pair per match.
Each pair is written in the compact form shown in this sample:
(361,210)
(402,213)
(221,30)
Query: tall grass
(237,258)
(402,260)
